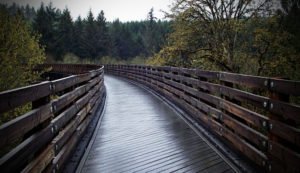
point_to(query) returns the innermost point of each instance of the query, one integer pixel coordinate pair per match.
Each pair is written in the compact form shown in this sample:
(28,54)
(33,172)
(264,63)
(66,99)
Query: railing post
(279,148)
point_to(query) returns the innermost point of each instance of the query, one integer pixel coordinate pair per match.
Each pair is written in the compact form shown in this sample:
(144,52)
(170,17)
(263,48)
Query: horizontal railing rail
(255,115)
(43,138)
(69,69)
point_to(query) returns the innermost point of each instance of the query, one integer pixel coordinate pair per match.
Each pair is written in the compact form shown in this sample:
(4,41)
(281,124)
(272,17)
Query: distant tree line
(213,35)
(93,37)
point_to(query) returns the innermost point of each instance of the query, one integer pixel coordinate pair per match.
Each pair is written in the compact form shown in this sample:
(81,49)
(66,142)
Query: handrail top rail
(276,84)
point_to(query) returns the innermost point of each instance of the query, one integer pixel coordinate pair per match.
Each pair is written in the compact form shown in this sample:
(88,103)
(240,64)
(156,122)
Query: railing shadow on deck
(43,138)
(253,114)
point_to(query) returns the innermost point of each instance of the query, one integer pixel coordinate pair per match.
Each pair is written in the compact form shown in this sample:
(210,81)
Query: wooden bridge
(151,119)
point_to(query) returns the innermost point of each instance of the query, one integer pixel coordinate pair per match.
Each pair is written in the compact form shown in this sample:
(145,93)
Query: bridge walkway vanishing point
(141,133)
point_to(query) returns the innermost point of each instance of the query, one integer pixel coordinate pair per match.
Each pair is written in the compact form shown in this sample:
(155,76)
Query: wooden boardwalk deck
(140,133)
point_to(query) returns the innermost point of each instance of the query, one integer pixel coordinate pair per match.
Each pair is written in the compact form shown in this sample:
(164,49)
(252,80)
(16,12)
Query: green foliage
(64,34)
(102,36)
(225,41)
(93,38)
(70,58)
(78,48)
(46,23)
(290,14)
(90,40)
(151,38)
(272,49)
(138,60)
(111,60)
(12,114)
(20,52)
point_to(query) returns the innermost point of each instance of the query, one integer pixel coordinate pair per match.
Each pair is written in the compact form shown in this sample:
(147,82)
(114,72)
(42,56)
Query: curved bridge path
(141,133)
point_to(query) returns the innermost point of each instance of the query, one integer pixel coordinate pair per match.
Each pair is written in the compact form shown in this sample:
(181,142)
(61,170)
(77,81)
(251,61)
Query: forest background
(256,37)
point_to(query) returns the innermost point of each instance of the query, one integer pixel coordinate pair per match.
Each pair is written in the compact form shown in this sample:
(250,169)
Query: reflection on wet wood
(139,133)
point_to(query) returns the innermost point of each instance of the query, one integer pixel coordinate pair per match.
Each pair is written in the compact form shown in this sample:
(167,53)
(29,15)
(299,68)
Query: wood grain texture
(140,133)
(17,97)
(250,112)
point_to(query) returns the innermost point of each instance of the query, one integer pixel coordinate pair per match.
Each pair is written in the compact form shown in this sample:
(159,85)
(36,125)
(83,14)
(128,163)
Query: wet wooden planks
(140,133)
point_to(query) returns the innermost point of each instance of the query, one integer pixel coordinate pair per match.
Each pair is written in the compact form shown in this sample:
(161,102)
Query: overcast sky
(125,10)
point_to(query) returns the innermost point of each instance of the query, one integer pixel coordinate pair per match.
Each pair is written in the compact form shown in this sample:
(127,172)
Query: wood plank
(198,73)
(83,77)
(248,150)
(61,158)
(206,86)
(84,100)
(97,72)
(147,139)
(245,80)
(188,72)
(94,99)
(286,110)
(16,97)
(17,158)
(64,83)
(66,99)
(58,142)
(212,75)
(246,97)
(94,81)
(209,110)
(248,133)
(285,131)
(243,123)
(24,152)
(41,161)
(64,135)
(253,153)
(285,86)
(95,89)
(288,158)
(255,119)
(204,96)
(19,126)
(62,119)
(164,68)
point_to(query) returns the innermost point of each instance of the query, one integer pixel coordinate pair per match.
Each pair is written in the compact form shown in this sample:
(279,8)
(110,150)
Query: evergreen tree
(13,9)
(78,47)
(20,51)
(95,38)
(102,36)
(126,43)
(29,14)
(90,41)
(115,33)
(64,36)
(46,23)
(149,35)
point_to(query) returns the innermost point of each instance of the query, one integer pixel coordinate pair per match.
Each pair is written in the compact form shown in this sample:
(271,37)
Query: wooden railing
(43,138)
(253,114)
